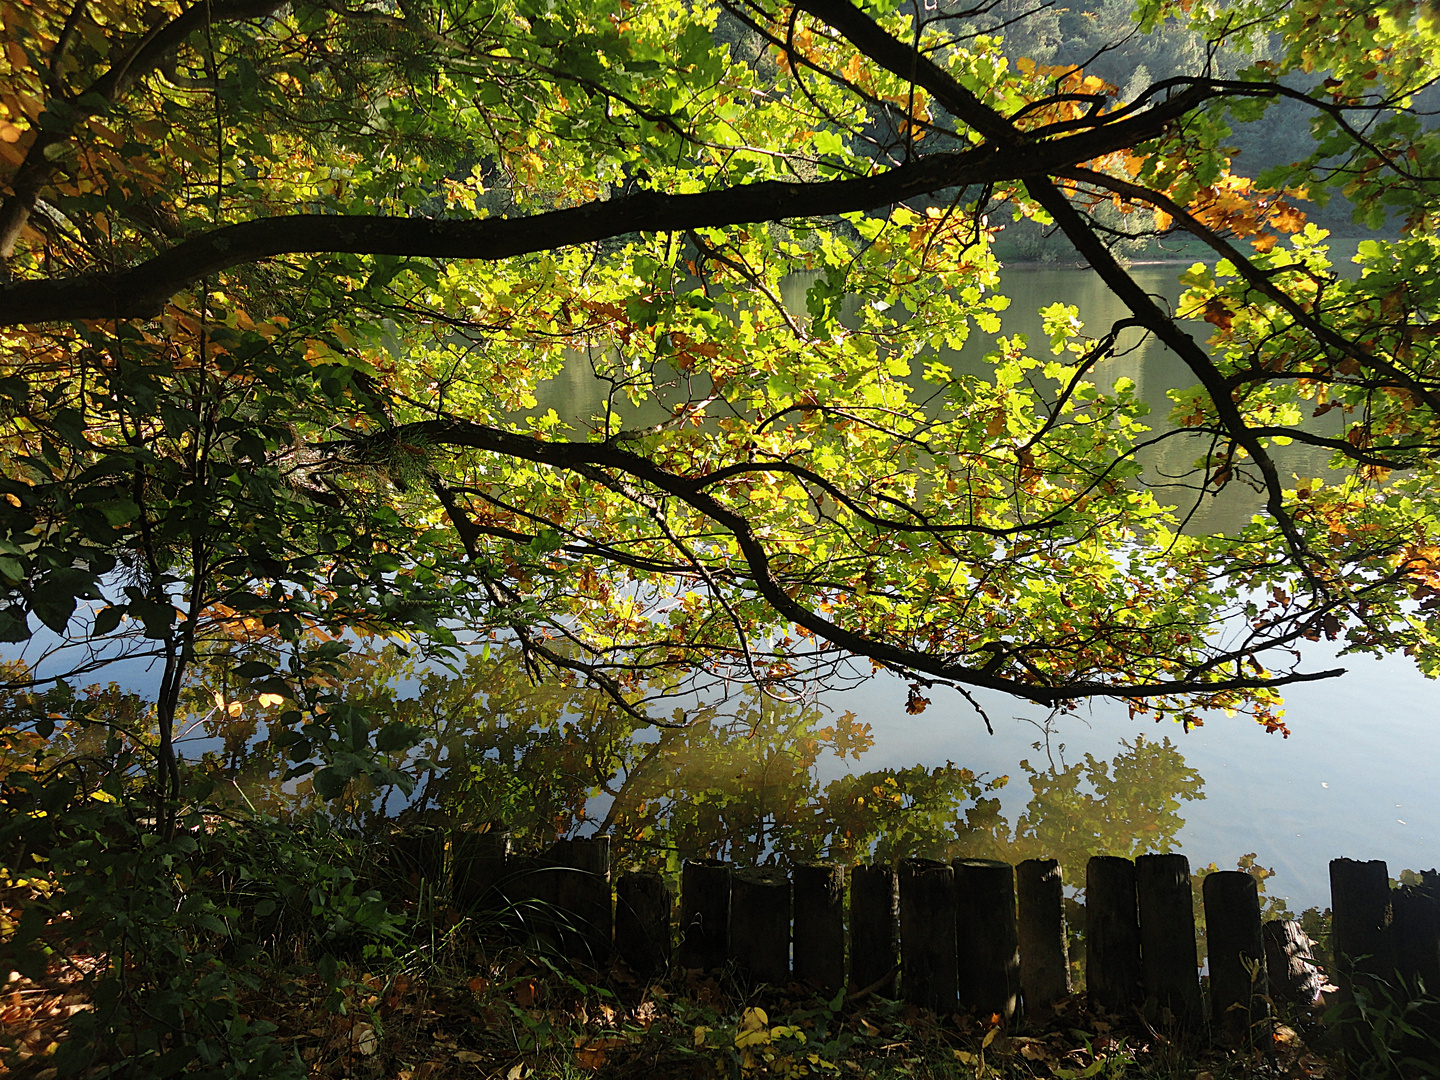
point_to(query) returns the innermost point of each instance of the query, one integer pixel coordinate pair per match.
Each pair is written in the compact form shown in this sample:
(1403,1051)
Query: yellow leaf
(268,700)
(753,1028)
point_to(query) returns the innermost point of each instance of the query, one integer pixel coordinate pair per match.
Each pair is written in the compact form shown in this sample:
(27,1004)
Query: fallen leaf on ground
(593,1054)
(364,1039)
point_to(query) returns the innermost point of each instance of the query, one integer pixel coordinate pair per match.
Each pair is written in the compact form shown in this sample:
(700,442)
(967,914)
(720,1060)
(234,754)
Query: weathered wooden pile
(971,934)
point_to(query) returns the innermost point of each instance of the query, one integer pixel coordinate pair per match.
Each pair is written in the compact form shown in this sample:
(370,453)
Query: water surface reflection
(751,779)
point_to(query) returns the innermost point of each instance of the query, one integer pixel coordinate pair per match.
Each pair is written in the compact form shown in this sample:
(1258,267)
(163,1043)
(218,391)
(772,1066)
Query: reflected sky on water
(1357,777)
(852,775)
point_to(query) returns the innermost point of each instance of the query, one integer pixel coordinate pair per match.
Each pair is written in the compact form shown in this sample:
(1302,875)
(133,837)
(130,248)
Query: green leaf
(330,783)
(53,607)
(14,626)
(106,620)
(397,736)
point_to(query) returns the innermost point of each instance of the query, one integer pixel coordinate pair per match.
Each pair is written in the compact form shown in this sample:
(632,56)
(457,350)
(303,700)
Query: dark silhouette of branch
(586,458)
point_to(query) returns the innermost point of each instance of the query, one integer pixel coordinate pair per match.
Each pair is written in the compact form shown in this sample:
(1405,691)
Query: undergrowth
(243,945)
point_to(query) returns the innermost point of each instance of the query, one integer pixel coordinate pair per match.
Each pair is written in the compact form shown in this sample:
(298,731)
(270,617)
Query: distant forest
(1103,38)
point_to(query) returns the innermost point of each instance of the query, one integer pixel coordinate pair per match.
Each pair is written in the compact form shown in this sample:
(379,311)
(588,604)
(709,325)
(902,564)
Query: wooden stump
(1044,945)
(581,890)
(927,934)
(1361,939)
(1290,968)
(642,922)
(760,924)
(1169,964)
(986,937)
(1112,933)
(704,913)
(820,926)
(1237,955)
(479,868)
(874,929)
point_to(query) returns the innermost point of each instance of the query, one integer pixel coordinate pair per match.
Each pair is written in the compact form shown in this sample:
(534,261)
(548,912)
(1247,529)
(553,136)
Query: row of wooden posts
(970,934)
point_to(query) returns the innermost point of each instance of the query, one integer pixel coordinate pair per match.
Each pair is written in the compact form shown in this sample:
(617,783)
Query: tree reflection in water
(750,779)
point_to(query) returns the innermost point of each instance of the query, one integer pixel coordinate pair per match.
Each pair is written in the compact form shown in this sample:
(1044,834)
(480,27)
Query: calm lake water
(1356,778)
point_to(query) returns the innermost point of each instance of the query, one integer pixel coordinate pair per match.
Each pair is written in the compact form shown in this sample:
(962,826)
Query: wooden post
(820,926)
(704,913)
(581,870)
(1170,969)
(1417,953)
(1290,968)
(1112,933)
(1417,935)
(418,857)
(986,937)
(927,934)
(478,869)
(760,924)
(529,891)
(1237,954)
(1361,938)
(642,922)
(874,929)
(1044,945)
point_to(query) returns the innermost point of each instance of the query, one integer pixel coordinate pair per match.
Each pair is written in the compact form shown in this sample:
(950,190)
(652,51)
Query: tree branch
(585,458)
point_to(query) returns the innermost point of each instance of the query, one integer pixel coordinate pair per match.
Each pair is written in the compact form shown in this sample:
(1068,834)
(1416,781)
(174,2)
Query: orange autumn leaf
(1286,218)
(593,1054)
(1217,313)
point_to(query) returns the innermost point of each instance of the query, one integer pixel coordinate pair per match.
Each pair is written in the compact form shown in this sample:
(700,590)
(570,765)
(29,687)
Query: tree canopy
(287,283)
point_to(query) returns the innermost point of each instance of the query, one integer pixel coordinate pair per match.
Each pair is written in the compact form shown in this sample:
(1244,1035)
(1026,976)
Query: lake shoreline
(1034,264)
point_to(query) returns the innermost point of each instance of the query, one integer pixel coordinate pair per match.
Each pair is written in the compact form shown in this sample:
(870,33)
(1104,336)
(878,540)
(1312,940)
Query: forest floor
(510,1014)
